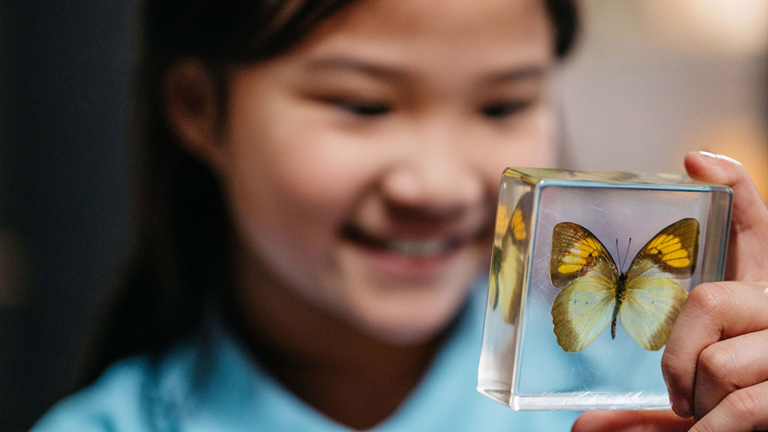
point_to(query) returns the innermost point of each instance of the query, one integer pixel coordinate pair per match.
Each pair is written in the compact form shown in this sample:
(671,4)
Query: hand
(716,360)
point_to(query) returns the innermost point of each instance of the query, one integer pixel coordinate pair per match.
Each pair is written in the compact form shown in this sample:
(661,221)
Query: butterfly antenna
(618,254)
(627,253)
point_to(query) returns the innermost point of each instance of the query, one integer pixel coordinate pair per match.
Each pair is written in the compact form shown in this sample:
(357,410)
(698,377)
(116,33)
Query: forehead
(474,31)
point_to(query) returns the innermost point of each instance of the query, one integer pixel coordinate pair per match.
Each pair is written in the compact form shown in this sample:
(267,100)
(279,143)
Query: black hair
(181,257)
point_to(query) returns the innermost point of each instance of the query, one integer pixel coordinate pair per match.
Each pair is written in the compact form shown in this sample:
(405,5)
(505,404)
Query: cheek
(289,196)
(528,143)
(535,141)
(281,169)
(292,186)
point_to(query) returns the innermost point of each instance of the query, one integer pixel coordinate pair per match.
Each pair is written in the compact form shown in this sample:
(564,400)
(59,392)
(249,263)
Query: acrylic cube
(589,271)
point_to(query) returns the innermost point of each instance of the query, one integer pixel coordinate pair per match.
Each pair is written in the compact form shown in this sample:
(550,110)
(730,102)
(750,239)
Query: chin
(409,320)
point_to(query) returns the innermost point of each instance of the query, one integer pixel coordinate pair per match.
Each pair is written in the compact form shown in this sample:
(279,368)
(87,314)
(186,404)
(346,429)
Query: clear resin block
(589,271)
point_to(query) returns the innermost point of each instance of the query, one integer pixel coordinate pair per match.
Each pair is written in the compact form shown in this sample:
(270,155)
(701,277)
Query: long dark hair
(182,230)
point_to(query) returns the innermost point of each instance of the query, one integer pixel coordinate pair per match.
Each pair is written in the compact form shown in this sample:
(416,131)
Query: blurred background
(649,81)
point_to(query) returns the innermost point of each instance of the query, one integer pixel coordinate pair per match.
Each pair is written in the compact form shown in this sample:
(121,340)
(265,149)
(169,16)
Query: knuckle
(703,426)
(742,403)
(716,363)
(671,367)
(709,298)
(741,170)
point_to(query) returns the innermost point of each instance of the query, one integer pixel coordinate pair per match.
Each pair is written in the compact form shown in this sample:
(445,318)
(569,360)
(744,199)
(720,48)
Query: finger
(727,366)
(635,421)
(743,410)
(712,312)
(748,243)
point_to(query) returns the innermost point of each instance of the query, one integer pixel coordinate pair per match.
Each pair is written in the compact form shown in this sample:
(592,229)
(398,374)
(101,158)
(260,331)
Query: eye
(363,108)
(501,110)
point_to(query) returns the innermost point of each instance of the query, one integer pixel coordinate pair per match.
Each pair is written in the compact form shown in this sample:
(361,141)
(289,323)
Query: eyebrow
(368,68)
(515,73)
(518,74)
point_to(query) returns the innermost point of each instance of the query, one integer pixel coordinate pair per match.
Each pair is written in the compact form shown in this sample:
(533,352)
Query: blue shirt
(233,393)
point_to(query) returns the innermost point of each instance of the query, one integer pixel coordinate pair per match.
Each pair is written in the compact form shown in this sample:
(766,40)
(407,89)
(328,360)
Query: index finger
(713,311)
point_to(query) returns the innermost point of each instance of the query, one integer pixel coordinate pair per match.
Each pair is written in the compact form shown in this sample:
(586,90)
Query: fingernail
(710,158)
(680,406)
(766,291)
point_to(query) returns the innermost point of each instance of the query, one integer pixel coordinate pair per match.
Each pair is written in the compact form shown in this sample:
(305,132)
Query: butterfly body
(595,294)
(621,294)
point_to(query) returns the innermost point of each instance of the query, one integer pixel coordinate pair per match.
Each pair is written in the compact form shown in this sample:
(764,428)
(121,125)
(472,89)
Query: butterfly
(508,260)
(647,297)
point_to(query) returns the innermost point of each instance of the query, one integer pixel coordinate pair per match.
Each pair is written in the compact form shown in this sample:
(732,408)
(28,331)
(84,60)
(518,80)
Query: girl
(318,186)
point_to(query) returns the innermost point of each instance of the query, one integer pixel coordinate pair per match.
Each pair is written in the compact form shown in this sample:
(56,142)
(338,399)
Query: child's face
(362,167)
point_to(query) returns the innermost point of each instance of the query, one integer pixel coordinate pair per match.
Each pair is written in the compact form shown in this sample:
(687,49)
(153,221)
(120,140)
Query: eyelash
(501,110)
(362,108)
(495,111)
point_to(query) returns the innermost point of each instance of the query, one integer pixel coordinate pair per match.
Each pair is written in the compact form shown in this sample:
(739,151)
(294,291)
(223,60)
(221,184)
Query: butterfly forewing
(576,252)
(670,253)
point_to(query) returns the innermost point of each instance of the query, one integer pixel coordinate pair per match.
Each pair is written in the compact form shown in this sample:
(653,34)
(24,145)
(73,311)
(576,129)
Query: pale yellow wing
(650,308)
(510,278)
(583,310)
(508,262)
(653,297)
(493,278)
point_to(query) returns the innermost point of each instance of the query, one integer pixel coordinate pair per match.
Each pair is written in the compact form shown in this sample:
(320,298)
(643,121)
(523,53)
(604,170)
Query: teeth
(419,248)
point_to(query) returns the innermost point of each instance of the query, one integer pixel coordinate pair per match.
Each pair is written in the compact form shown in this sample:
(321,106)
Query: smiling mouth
(416,248)
(422,248)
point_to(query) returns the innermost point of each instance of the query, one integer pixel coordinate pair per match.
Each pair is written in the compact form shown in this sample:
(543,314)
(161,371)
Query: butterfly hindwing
(583,310)
(670,253)
(650,308)
(508,270)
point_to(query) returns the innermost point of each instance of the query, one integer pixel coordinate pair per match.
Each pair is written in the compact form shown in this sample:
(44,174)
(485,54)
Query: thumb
(748,243)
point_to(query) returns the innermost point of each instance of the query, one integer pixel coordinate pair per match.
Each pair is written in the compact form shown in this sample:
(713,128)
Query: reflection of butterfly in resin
(507,261)
(594,293)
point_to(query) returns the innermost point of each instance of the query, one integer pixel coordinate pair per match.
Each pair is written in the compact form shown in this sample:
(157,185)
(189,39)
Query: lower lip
(408,266)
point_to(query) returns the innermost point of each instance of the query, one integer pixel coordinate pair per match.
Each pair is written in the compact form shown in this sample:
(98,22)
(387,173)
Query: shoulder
(113,403)
(447,399)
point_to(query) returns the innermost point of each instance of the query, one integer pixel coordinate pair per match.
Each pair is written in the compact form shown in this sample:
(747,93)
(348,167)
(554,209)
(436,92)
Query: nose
(436,174)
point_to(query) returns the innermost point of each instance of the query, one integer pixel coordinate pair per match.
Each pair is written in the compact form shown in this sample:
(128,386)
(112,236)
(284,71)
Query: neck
(351,377)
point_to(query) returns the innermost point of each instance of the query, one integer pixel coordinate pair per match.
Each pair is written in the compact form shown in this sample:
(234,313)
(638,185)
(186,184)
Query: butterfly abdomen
(621,294)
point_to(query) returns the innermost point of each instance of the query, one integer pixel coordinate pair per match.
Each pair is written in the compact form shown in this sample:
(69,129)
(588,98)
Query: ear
(192,109)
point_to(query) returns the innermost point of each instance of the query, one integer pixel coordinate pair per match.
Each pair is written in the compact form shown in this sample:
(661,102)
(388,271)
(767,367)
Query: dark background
(64,187)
